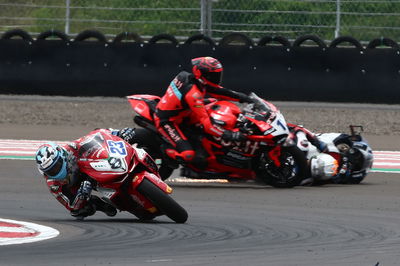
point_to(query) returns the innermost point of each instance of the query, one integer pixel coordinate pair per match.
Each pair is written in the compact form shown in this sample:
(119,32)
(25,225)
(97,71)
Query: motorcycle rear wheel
(164,203)
(292,171)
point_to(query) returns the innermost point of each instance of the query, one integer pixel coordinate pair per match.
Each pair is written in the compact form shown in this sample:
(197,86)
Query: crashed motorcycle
(267,154)
(346,159)
(127,177)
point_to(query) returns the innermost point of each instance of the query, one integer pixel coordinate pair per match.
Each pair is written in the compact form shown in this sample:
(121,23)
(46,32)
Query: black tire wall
(307,70)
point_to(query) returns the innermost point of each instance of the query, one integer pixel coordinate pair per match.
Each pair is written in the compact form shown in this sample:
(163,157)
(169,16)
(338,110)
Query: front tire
(163,201)
(292,171)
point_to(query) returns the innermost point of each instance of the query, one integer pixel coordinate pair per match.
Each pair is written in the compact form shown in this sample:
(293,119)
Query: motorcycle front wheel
(291,172)
(163,202)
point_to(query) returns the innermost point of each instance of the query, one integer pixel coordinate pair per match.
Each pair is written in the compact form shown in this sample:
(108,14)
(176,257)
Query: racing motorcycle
(127,177)
(346,159)
(267,155)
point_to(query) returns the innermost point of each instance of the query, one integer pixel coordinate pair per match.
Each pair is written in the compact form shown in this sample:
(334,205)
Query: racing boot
(200,159)
(104,205)
(88,210)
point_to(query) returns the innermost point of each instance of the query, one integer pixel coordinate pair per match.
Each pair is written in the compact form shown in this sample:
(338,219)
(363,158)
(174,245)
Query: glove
(85,190)
(127,134)
(233,136)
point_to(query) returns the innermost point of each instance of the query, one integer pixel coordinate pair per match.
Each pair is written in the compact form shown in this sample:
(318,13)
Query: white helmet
(324,167)
(51,160)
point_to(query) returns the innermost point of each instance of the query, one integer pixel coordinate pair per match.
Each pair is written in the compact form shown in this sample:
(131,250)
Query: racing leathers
(183,98)
(74,192)
(331,153)
(305,136)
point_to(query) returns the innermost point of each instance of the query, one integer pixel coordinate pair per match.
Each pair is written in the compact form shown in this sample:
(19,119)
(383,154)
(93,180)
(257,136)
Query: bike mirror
(356,132)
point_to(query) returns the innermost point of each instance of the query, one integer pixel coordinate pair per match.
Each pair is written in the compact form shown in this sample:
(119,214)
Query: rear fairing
(143,104)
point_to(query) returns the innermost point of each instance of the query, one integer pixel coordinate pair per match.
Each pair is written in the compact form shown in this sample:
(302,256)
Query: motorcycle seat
(152,105)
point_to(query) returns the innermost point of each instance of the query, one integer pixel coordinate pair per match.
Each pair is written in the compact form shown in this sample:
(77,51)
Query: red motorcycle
(267,154)
(127,177)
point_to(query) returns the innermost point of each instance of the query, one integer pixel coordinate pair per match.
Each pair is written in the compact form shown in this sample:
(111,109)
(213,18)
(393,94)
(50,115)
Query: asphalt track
(229,224)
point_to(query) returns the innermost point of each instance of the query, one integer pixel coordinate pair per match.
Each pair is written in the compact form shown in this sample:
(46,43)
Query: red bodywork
(138,103)
(225,114)
(113,163)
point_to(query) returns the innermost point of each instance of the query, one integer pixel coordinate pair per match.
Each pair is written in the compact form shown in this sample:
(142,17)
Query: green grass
(364,20)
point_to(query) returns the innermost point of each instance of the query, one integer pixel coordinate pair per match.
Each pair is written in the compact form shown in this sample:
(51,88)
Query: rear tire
(164,203)
(292,171)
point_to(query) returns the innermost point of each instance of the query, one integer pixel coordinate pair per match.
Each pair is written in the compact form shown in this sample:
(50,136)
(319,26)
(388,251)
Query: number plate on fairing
(116,148)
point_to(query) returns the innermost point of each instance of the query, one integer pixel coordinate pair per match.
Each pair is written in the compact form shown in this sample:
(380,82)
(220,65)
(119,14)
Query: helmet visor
(55,169)
(214,77)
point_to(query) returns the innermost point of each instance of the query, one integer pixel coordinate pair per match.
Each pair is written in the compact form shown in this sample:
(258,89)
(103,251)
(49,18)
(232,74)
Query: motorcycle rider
(72,188)
(341,159)
(185,95)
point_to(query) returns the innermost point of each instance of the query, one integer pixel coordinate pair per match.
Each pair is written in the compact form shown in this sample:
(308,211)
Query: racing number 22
(116,147)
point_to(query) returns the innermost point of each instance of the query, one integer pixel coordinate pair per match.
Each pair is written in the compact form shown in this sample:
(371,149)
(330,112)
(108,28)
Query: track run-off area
(384,161)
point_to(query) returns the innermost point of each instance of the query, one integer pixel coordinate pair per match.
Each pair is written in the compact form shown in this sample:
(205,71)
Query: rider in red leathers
(71,187)
(184,97)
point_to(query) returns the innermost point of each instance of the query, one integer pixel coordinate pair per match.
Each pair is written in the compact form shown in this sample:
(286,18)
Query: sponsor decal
(248,147)
(172,133)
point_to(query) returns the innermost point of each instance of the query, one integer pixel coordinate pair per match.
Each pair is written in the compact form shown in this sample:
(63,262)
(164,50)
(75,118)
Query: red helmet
(207,71)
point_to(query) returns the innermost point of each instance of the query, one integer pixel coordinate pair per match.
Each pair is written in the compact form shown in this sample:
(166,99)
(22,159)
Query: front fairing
(105,157)
(280,126)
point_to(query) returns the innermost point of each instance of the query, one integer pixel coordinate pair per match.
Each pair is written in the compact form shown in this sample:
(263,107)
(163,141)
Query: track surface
(228,224)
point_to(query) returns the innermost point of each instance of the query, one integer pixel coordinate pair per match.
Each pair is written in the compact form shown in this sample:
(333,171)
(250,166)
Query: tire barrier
(276,69)
(162,38)
(383,42)
(236,38)
(227,40)
(302,39)
(17,33)
(55,34)
(200,37)
(346,39)
(130,36)
(277,39)
(88,34)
